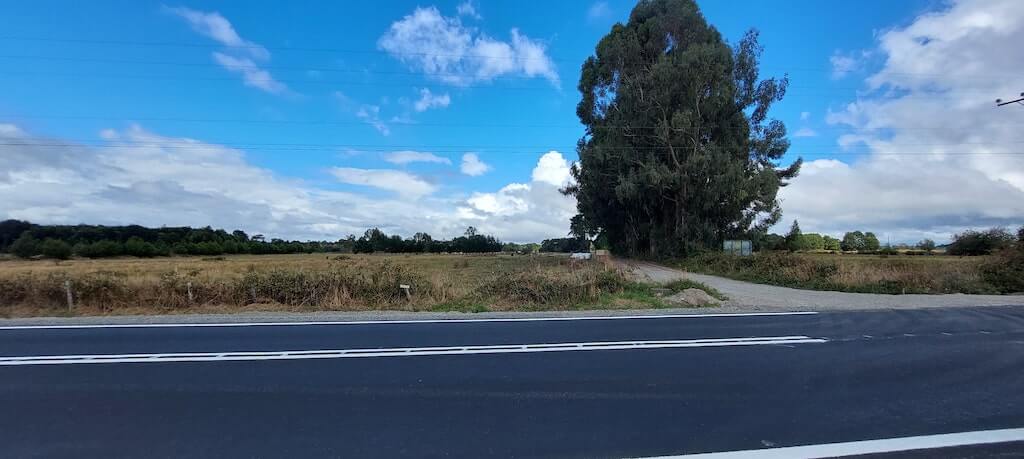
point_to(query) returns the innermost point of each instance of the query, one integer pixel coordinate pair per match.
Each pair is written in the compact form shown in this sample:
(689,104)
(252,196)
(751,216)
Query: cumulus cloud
(444,48)
(941,157)
(430,100)
(141,177)
(524,211)
(472,165)
(403,183)
(553,169)
(409,156)
(239,56)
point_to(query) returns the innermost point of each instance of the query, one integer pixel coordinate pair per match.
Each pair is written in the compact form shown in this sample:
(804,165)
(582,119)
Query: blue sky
(374,105)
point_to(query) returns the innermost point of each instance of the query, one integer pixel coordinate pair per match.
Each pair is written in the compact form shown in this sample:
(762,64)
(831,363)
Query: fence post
(67,290)
(189,287)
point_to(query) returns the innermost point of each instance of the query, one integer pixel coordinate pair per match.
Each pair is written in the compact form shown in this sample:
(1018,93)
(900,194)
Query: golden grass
(854,273)
(301,282)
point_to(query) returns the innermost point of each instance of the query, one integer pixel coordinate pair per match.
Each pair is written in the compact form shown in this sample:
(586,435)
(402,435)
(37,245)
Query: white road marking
(411,321)
(889,445)
(398,352)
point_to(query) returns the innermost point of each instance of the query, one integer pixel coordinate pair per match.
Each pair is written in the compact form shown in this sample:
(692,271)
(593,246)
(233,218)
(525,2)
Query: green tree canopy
(55,248)
(679,152)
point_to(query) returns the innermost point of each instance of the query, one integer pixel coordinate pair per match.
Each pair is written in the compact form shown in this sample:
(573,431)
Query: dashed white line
(398,352)
(410,321)
(855,448)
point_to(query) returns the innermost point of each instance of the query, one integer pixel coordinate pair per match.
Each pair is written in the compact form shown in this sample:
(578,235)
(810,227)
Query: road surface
(870,382)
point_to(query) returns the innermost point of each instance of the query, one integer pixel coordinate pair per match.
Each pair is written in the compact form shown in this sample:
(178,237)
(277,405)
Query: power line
(429,124)
(1000,102)
(166,145)
(574,61)
(361,71)
(459,147)
(815,91)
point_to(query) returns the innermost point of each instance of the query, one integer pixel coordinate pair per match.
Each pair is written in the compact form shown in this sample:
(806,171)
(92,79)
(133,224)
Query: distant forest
(26,240)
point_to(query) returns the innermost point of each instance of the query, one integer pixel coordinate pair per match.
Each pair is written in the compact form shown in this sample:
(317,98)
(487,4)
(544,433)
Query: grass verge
(244,283)
(860,273)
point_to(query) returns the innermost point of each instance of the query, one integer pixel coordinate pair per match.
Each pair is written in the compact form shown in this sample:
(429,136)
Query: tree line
(26,240)
(375,240)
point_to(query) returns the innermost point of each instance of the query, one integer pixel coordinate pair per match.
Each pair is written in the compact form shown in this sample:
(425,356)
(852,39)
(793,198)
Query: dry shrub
(556,287)
(849,272)
(295,282)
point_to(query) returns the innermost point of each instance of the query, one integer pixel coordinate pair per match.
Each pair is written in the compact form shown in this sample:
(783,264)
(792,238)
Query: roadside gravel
(747,296)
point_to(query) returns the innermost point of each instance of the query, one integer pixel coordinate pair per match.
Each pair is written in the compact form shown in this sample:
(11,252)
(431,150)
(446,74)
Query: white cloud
(148,179)
(552,168)
(467,8)
(370,114)
(472,165)
(429,100)
(252,75)
(941,157)
(444,48)
(599,10)
(805,132)
(804,116)
(403,183)
(239,56)
(10,131)
(408,156)
(845,63)
(524,211)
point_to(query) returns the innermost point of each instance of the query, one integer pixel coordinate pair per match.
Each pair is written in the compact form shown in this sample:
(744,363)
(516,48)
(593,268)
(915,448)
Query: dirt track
(751,296)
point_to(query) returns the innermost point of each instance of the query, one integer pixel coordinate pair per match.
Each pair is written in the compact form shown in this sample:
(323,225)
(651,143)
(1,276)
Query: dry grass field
(310,282)
(855,273)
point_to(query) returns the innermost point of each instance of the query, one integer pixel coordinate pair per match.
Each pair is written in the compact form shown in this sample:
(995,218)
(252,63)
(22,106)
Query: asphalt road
(681,386)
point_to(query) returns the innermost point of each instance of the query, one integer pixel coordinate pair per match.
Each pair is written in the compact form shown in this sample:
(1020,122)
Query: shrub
(55,248)
(927,245)
(99,249)
(972,242)
(136,247)
(25,246)
(1006,271)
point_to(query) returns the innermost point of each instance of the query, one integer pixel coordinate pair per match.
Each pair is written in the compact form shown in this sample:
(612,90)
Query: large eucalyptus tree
(679,152)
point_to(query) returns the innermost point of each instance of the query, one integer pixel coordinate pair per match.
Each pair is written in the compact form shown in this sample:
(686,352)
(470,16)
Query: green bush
(55,248)
(99,249)
(972,242)
(25,246)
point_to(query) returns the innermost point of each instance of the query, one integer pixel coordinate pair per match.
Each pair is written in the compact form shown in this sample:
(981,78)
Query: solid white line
(408,321)
(853,448)
(397,352)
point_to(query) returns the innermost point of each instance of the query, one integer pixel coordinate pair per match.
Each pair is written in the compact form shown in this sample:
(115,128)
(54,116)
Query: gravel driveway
(750,296)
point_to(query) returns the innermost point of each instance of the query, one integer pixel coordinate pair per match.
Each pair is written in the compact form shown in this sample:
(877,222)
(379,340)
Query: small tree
(25,246)
(55,248)
(793,237)
(853,241)
(871,242)
(972,242)
(927,245)
(136,247)
(831,243)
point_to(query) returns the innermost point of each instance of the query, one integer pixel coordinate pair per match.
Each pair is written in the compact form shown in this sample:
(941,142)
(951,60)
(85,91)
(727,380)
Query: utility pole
(1001,102)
